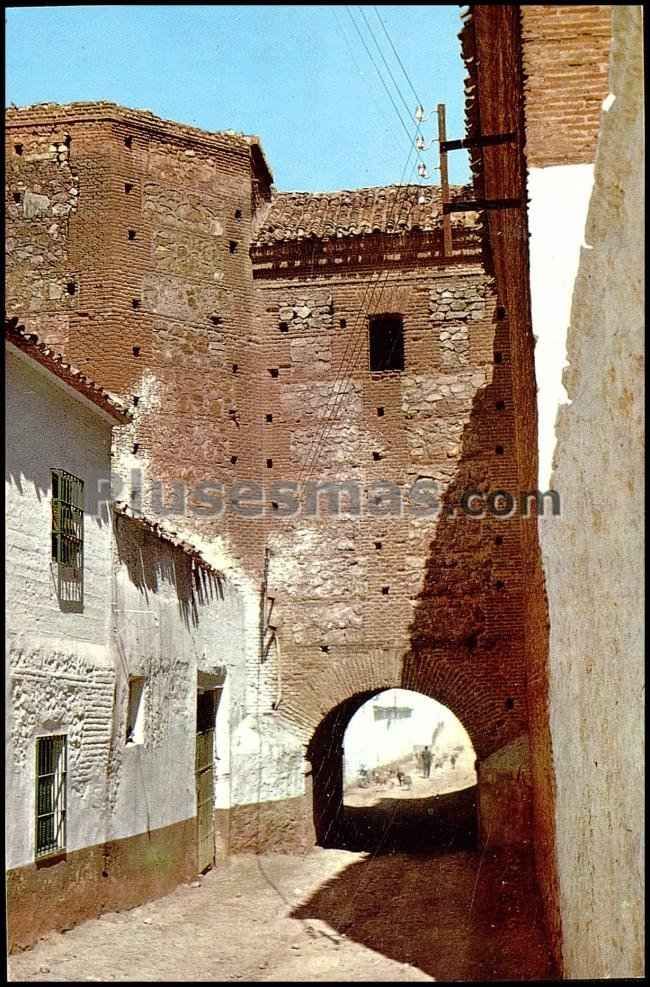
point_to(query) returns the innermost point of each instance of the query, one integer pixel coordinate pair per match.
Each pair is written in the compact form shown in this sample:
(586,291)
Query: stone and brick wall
(372,601)
(128,247)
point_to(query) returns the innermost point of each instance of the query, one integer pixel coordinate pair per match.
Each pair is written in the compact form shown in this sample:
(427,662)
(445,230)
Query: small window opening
(233,459)
(343,323)
(269,464)
(500,584)
(325,648)
(380,412)
(274,505)
(232,246)
(128,187)
(135,711)
(377,456)
(498,357)
(274,372)
(17,196)
(269,418)
(51,795)
(237,213)
(136,351)
(378,545)
(131,234)
(18,148)
(385,590)
(67,140)
(135,303)
(284,327)
(235,368)
(500,312)
(510,703)
(500,405)
(71,287)
(498,540)
(136,398)
(216,320)
(499,450)
(386,334)
(128,142)
(136,446)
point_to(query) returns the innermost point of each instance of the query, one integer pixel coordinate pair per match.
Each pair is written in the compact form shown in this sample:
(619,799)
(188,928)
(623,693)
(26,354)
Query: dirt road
(332,915)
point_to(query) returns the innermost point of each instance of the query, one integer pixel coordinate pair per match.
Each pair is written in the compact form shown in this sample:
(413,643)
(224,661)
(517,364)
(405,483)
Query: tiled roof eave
(33,347)
(121,509)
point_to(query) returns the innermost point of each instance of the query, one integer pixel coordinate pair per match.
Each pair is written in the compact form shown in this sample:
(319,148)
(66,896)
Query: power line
(396,53)
(353,348)
(346,362)
(383,58)
(381,77)
(347,365)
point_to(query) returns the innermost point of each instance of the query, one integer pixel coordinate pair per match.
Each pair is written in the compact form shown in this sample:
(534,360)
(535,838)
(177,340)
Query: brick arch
(455,685)
(324,751)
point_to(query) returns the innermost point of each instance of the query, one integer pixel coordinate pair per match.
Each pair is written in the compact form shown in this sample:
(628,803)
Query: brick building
(265,340)
(238,327)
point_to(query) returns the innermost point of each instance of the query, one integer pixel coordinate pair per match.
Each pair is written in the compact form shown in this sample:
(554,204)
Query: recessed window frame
(50,808)
(395,361)
(135,711)
(67,534)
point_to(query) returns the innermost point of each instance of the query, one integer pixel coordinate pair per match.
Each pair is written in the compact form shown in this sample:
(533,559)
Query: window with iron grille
(51,769)
(68,534)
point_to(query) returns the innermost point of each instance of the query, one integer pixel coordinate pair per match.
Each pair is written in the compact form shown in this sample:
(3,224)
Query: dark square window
(386,342)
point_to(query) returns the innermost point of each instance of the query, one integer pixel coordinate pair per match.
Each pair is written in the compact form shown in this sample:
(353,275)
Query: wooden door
(204,771)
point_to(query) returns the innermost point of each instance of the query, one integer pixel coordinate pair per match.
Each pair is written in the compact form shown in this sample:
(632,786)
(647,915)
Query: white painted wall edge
(559,202)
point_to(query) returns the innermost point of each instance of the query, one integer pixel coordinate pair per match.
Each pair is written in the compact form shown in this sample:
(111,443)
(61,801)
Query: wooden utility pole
(444,182)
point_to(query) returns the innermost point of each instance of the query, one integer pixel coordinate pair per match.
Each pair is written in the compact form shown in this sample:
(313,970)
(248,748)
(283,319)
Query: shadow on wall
(456,916)
(466,639)
(152,563)
(40,479)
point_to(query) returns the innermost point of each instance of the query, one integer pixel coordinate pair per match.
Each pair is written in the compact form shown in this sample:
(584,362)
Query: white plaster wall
(59,668)
(559,199)
(592,554)
(167,633)
(268,762)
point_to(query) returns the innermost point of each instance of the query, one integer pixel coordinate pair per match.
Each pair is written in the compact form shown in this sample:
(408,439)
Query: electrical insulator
(422,170)
(421,144)
(419,114)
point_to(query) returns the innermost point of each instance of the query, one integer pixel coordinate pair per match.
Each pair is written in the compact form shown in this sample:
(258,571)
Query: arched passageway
(393,770)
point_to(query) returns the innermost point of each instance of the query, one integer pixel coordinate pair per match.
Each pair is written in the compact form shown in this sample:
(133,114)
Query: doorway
(206,709)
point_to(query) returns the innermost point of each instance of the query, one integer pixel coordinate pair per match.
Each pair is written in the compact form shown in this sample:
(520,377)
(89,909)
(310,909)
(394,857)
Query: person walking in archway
(426,762)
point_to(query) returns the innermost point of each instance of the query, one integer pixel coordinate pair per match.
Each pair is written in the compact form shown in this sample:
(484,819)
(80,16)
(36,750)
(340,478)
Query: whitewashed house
(124,658)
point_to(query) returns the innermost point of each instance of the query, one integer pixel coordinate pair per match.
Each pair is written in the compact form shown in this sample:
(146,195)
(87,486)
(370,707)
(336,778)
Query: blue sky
(296,75)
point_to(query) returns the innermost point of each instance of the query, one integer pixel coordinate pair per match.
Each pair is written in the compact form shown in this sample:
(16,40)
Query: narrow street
(331,915)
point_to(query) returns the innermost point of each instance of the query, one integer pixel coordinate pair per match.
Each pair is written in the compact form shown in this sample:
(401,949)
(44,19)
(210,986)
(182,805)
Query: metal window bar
(67,533)
(51,773)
